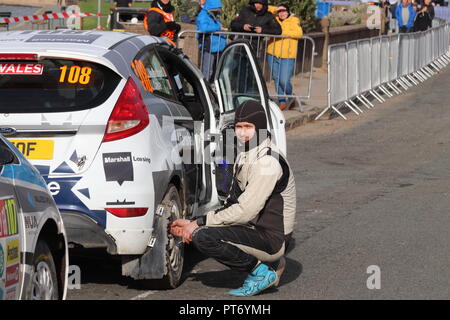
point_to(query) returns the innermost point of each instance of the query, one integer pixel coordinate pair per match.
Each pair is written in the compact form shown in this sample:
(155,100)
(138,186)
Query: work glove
(173,26)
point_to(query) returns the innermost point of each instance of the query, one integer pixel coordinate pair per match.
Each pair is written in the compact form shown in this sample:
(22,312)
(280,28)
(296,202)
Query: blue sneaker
(260,279)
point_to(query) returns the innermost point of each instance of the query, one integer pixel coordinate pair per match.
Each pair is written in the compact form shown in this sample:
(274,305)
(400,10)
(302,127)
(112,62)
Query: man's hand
(258,30)
(247,27)
(183,228)
(188,230)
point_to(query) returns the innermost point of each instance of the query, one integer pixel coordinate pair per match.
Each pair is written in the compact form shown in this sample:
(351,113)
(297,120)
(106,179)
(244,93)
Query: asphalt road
(372,191)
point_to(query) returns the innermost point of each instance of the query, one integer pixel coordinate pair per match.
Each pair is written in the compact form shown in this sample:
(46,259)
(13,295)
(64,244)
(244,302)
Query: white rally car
(33,246)
(125,131)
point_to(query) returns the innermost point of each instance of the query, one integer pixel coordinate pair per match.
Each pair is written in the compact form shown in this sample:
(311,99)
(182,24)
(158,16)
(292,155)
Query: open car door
(239,78)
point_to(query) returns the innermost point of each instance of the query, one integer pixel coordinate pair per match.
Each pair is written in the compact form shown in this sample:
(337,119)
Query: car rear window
(54,85)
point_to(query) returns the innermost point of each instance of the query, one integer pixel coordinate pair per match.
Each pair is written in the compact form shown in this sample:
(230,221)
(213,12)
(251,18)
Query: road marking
(144,295)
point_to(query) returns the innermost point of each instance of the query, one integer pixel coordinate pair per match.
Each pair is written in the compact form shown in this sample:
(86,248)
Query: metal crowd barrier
(301,80)
(383,66)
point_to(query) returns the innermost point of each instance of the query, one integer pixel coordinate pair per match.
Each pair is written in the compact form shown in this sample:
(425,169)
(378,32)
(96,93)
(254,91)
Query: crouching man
(249,233)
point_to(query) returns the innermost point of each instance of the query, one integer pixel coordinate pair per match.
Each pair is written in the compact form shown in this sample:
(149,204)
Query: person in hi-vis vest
(159,20)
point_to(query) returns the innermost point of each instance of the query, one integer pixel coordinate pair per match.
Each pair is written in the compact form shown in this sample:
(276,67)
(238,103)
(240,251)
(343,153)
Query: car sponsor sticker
(12,275)
(12,251)
(142,159)
(11,293)
(69,38)
(15,68)
(8,218)
(121,203)
(30,222)
(2,261)
(118,167)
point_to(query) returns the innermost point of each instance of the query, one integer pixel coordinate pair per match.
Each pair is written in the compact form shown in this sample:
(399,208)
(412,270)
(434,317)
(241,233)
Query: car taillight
(127,212)
(129,116)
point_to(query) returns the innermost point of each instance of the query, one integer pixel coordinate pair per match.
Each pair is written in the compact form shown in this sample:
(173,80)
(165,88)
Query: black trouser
(214,242)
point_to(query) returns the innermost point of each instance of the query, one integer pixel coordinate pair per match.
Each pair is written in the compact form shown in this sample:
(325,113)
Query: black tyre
(175,246)
(44,283)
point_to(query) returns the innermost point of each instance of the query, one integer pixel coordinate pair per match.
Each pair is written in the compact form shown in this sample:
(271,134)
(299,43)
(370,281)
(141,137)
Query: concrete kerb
(310,108)
(295,118)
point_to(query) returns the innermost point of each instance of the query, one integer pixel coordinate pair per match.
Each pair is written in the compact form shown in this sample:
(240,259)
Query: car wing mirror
(6,156)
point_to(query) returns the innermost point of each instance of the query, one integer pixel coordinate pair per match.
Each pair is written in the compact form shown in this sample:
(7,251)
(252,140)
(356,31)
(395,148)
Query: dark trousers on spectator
(405,29)
(218,243)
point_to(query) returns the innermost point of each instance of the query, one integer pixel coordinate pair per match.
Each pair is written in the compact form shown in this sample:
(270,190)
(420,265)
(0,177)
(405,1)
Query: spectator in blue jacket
(405,16)
(210,45)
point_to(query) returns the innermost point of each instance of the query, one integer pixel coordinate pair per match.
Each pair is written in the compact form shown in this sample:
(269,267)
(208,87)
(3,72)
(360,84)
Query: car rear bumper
(84,231)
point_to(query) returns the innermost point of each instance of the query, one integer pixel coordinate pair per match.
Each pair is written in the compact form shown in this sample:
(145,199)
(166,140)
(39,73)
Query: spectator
(160,20)
(394,23)
(422,21)
(123,3)
(430,6)
(405,16)
(255,18)
(210,45)
(282,53)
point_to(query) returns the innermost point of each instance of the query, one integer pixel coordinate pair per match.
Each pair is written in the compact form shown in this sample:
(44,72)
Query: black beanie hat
(253,112)
(285,5)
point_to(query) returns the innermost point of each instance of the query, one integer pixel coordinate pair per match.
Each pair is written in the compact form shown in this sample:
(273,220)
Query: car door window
(237,79)
(153,75)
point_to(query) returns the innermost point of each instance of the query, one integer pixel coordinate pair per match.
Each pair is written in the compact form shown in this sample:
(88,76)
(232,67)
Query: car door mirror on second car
(6,156)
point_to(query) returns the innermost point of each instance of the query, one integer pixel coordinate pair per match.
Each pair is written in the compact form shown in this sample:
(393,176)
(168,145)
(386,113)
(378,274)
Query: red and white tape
(48,16)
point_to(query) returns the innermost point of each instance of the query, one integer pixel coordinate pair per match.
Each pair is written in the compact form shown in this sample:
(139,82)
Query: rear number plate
(35,149)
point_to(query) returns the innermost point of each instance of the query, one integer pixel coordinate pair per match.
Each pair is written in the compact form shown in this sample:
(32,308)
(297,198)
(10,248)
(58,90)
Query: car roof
(79,39)
(117,47)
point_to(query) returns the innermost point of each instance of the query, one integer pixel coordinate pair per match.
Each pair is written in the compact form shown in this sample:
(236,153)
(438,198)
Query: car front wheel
(44,280)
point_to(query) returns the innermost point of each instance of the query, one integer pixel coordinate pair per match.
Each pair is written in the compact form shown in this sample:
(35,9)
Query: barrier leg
(443,64)
(363,102)
(424,73)
(366,102)
(445,58)
(323,112)
(400,82)
(338,112)
(377,96)
(386,92)
(351,108)
(394,88)
(429,70)
(412,79)
(432,64)
(405,81)
(356,106)
(437,62)
(419,77)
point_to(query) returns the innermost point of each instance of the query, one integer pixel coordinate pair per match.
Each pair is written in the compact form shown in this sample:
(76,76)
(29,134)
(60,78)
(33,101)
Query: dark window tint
(54,85)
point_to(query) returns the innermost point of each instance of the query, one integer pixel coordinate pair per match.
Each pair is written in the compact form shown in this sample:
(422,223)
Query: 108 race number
(76,74)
